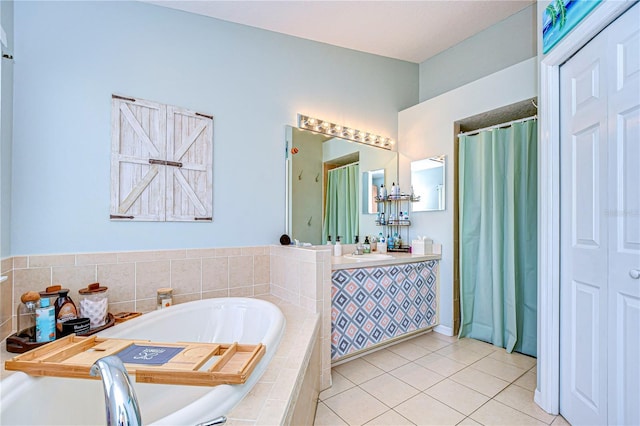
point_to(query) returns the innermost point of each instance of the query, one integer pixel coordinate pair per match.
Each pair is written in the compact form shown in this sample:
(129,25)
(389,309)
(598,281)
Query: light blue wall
(506,43)
(70,58)
(6,125)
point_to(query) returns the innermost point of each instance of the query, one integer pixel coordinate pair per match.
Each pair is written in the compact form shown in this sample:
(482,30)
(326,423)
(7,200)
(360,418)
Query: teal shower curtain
(341,204)
(498,236)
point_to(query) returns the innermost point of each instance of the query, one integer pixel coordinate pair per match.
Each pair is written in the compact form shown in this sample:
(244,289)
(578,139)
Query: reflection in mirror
(371,182)
(310,158)
(427,180)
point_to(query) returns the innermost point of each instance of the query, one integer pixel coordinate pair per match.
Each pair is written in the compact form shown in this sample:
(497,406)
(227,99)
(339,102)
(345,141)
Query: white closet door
(600,228)
(624,219)
(583,268)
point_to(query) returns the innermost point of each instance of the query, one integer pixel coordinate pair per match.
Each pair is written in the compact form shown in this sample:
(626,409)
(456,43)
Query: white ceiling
(409,30)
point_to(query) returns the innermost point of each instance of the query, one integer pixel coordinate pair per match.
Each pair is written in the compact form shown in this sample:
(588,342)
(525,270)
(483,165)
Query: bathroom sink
(368,257)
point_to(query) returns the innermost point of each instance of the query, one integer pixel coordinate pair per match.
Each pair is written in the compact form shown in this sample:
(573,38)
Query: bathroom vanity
(375,300)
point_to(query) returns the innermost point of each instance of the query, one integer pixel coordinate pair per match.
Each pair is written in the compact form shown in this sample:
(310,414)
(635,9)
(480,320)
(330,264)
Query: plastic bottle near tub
(45,321)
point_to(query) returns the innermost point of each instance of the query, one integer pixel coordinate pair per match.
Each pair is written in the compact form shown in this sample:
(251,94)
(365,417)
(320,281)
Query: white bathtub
(26,400)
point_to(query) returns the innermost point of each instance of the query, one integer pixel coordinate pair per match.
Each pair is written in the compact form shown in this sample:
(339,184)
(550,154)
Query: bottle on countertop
(164,298)
(45,321)
(367,245)
(27,315)
(397,241)
(389,242)
(329,240)
(382,243)
(337,248)
(65,310)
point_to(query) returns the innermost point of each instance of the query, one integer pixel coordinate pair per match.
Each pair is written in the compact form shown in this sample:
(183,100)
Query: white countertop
(343,262)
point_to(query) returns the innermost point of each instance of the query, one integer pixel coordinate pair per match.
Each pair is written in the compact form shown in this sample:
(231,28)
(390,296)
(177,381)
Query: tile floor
(434,380)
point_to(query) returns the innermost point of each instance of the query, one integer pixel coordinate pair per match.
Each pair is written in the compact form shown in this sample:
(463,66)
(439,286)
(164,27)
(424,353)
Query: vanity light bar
(332,129)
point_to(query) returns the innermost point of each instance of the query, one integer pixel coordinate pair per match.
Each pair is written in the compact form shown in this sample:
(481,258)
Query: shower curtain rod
(346,165)
(497,126)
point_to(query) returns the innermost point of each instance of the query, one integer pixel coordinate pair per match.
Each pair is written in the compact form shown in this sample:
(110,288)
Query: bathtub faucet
(119,395)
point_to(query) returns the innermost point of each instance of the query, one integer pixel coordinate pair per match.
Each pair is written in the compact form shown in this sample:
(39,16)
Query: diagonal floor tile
(339,383)
(479,381)
(495,413)
(424,410)
(355,406)
(522,400)
(358,371)
(440,364)
(457,396)
(409,350)
(390,418)
(389,390)
(385,359)
(499,369)
(326,417)
(514,358)
(528,381)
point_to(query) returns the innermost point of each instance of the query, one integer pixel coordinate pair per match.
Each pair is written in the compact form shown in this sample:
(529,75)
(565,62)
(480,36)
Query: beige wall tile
(215,274)
(254,251)
(74,278)
(145,305)
(240,271)
(261,269)
(121,280)
(260,289)
(184,298)
(52,260)
(6,264)
(233,251)
(150,276)
(292,277)
(130,306)
(186,276)
(20,262)
(214,294)
(200,253)
(277,270)
(6,298)
(135,256)
(6,329)
(169,254)
(241,291)
(36,279)
(96,258)
(308,278)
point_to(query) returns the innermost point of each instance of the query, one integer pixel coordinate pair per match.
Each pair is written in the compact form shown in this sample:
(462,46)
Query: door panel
(623,48)
(600,228)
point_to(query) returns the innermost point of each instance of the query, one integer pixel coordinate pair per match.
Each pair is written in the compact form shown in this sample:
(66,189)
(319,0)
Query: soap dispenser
(337,248)
(329,240)
(367,245)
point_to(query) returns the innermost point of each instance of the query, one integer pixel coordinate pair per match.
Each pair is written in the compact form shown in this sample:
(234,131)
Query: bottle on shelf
(382,219)
(383,192)
(393,189)
(398,241)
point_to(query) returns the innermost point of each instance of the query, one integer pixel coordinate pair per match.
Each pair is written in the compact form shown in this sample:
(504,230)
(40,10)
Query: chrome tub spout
(119,395)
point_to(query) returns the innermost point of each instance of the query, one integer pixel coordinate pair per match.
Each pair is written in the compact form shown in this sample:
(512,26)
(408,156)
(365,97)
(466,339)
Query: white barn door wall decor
(161,162)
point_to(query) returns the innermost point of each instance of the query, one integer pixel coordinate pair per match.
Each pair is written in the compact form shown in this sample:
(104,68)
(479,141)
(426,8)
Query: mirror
(427,180)
(310,158)
(371,182)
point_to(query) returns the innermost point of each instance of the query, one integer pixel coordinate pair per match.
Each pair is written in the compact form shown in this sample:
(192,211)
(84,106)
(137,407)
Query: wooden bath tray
(198,364)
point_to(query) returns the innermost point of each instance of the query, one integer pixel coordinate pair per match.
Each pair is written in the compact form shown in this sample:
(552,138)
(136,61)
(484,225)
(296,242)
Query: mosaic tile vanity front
(372,305)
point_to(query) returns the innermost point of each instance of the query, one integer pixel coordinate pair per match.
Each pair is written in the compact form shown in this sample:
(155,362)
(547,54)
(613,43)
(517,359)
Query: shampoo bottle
(329,240)
(382,243)
(383,192)
(45,321)
(337,248)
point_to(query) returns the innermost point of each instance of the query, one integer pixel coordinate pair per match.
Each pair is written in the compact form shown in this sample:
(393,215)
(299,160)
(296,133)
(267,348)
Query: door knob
(634,273)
